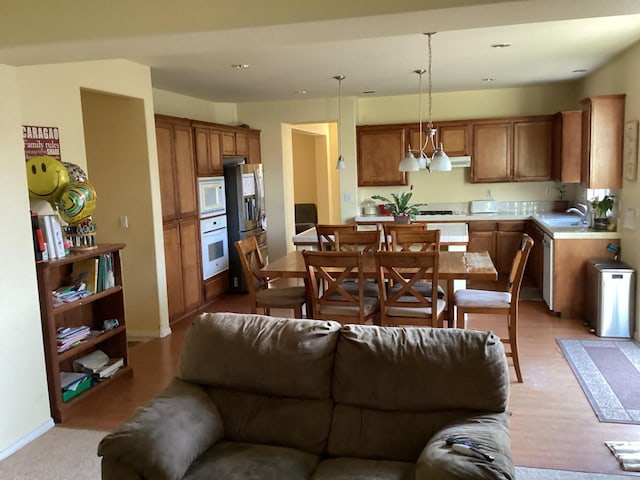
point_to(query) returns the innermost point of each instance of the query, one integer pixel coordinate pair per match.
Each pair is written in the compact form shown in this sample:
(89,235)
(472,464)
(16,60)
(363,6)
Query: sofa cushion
(289,422)
(245,461)
(420,369)
(383,434)
(162,439)
(359,469)
(261,354)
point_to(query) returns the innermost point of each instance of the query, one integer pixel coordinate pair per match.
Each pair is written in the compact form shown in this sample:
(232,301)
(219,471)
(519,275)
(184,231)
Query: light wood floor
(552,424)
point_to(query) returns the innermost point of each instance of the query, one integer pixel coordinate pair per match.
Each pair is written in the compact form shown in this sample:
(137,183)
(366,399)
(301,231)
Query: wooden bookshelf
(90,311)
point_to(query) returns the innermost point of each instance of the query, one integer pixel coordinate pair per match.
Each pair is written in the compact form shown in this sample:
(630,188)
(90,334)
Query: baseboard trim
(142,335)
(41,430)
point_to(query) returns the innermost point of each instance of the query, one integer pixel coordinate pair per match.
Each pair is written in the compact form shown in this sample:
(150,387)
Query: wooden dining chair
(390,227)
(326,233)
(365,241)
(503,303)
(405,304)
(263,295)
(327,272)
(405,240)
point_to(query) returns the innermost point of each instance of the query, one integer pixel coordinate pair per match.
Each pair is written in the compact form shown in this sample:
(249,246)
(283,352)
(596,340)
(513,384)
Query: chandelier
(340,165)
(440,162)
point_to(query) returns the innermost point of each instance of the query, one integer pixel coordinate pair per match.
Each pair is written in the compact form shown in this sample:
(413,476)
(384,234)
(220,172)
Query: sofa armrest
(438,460)
(164,437)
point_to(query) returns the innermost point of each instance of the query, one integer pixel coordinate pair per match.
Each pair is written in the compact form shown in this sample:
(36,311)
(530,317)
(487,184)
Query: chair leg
(297,311)
(513,342)
(460,320)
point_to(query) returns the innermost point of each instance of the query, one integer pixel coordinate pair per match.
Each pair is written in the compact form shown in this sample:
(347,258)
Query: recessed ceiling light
(489,79)
(240,66)
(580,70)
(500,45)
(301,92)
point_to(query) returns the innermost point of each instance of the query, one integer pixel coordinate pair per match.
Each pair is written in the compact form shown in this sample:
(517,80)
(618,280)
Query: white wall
(24,398)
(621,76)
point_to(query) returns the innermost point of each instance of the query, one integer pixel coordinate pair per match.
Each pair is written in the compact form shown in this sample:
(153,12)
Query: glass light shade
(409,163)
(423,161)
(340,165)
(440,162)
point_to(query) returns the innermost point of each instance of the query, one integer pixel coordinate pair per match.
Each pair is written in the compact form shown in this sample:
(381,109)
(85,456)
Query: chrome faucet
(583,212)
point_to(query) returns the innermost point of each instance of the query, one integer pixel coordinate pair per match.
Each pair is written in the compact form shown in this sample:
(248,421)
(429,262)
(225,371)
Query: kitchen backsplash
(507,207)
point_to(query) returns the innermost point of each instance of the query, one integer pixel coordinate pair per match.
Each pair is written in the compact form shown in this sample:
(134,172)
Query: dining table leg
(451,308)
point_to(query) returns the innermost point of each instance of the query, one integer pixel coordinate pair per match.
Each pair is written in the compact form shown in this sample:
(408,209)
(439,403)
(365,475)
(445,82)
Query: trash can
(610,307)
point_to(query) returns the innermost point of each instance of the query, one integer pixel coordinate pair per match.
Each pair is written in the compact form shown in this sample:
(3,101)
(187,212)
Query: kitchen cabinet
(534,269)
(182,264)
(235,142)
(254,147)
(455,137)
(508,239)
(177,167)
(380,149)
(567,146)
(208,149)
(482,237)
(602,135)
(512,150)
(90,311)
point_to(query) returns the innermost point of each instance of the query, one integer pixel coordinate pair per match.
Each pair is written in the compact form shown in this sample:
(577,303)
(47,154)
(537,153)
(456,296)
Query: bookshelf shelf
(90,311)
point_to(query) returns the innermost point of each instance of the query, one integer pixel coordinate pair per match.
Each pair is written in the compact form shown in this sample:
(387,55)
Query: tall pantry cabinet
(179,214)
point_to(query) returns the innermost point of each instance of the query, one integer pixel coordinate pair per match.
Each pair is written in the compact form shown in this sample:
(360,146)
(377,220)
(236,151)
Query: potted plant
(403,212)
(600,210)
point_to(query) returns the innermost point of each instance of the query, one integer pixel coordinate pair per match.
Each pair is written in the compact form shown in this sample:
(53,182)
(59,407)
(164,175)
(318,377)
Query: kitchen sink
(560,220)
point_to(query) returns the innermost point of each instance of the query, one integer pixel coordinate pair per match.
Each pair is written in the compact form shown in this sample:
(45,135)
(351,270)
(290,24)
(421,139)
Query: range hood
(460,162)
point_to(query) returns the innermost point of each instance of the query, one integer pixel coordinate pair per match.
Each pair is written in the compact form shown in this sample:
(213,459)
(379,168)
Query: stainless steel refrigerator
(246,217)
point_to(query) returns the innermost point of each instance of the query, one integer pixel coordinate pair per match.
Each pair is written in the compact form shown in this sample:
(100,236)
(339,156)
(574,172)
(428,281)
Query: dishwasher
(547,271)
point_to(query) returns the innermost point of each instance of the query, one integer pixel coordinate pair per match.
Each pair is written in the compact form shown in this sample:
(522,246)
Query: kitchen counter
(556,232)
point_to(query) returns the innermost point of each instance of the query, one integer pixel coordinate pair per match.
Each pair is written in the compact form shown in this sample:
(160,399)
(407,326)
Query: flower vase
(600,223)
(404,219)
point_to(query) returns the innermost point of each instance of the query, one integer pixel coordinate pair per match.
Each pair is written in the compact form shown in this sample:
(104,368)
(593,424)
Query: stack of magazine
(70,336)
(98,364)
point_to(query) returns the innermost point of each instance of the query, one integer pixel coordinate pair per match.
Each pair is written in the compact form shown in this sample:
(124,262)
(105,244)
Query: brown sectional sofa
(260,397)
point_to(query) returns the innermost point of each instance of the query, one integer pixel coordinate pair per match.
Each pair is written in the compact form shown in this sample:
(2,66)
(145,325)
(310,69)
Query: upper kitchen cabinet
(454,136)
(177,167)
(254,147)
(208,150)
(567,146)
(380,149)
(512,150)
(602,134)
(235,142)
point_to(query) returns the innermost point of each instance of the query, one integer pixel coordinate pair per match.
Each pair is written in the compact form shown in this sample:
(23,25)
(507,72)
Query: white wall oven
(211,196)
(215,246)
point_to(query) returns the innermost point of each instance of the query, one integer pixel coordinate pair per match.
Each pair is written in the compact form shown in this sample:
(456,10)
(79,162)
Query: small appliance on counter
(483,206)
(369,207)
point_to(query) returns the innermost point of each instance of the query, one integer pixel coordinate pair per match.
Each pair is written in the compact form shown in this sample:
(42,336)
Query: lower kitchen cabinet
(182,263)
(500,239)
(534,269)
(482,237)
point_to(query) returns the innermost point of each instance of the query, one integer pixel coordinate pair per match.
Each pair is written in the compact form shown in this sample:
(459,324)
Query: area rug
(609,373)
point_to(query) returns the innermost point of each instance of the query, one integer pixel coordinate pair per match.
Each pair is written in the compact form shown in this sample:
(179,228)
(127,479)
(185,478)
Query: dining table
(452,266)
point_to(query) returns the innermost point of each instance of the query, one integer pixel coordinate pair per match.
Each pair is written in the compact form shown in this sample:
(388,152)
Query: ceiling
(376,50)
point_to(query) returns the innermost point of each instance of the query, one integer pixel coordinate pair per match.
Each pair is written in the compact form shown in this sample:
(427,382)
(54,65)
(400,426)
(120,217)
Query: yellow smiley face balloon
(47,177)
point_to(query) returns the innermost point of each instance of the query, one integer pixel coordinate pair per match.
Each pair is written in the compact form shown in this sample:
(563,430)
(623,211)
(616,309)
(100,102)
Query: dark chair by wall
(306,216)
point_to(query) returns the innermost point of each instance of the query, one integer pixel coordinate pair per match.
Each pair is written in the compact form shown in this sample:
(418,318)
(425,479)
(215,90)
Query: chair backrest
(405,270)
(326,273)
(251,261)
(390,227)
(366,241)
(517,268)
(414,240)
(326,233)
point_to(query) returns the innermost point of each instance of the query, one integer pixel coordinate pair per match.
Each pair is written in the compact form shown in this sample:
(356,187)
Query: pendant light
(340,165)
(440,162)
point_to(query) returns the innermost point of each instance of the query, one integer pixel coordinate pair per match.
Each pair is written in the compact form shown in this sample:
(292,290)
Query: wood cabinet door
(228,143)
(185,171)
(567,146)
(507,243)
(173,268)
(483,241)
(491,152)
(164,140)
(532,150)
(254,148)
(190,259)
(603,130)
(379,153)
(455,138)
(208,148)
(242,143)
(534,268)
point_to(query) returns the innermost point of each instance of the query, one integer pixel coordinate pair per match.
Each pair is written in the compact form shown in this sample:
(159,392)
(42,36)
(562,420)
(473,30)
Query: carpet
(609,373)
(68,453)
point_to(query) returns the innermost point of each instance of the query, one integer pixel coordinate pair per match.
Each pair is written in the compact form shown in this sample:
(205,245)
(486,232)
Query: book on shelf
(71,380)
(45,223)
(57,236)
(108,369)
(69,337)
(86,271)
(38,237)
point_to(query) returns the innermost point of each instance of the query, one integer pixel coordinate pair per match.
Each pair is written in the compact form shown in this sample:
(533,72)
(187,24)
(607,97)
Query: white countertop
(577,232)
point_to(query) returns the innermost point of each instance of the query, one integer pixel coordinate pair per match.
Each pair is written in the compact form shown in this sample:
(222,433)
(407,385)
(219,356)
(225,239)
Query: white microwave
(211,196)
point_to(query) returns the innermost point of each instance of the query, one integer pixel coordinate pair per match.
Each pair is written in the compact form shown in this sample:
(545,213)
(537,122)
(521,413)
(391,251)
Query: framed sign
(41,141)
(630,150)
